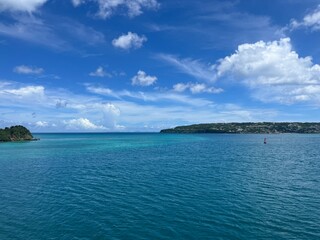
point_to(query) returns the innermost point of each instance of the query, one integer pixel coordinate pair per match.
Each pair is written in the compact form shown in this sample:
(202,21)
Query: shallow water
(158,186)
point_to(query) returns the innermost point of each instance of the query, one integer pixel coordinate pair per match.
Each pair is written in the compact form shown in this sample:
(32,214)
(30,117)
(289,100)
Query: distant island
(248,127)
(15,133)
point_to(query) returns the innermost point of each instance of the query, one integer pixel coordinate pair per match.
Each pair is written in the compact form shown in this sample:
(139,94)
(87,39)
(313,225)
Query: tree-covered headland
(249,127)
(15,133)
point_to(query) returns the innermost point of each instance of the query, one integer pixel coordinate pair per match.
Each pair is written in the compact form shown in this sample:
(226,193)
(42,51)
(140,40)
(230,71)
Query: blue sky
(145,65)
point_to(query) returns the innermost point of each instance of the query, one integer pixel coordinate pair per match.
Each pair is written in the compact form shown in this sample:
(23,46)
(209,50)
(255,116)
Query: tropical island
(15,133)
(248,127)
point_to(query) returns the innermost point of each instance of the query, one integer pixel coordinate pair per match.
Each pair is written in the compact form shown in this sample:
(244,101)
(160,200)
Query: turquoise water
(156,186)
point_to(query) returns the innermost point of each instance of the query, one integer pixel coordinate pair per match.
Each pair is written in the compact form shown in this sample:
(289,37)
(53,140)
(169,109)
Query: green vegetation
(249,127)
(15,133)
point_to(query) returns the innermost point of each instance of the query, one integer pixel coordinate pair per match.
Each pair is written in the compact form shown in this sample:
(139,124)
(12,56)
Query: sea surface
(158,186)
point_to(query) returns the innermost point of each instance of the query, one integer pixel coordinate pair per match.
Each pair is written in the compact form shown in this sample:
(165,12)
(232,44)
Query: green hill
(249,127)
(15,133)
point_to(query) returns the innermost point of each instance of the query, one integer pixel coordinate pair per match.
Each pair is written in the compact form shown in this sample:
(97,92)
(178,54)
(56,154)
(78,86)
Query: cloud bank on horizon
(144,65)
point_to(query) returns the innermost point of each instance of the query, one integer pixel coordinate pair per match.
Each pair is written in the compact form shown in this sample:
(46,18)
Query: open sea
(159,186)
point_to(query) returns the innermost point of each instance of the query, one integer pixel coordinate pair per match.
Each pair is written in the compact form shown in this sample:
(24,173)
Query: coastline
(248,128)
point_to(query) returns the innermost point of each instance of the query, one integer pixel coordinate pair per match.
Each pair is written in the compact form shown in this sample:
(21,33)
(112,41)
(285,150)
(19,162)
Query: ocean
(161,186)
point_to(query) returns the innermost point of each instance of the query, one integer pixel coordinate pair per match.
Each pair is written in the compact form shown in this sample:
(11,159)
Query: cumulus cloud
(196,88)
(21,5)
(110,115)
(23,69)
(105,115)
(129,40)
(42,124)
(108,7)
(274,71)
(82,124)
(191,67)
(142,79)
(311,20)
(56,106)
(129,111)
(99,72)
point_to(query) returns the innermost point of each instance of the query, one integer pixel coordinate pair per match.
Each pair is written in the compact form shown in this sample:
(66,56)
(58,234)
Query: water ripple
(152,186)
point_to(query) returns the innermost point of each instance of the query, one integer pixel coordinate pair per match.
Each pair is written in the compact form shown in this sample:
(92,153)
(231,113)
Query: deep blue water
(157,186)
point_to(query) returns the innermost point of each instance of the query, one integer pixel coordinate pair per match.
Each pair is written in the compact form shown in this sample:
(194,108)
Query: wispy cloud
(196,88)
(106,8)
(31,29)
(99,72)
(57,36)
(24,92)
(310,20)
(91,112)
(103,91)
(57,109)
(18,5)
(161,27)
(194,68)
(23,69)
(76,3)
(151,97)
(78,32)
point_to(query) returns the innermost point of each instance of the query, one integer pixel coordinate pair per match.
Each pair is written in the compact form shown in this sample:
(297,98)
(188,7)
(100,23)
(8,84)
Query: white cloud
(105,114)
(54,106)
(274,71)
(135,116)
(196,88)
(4,84)
(82,124)
(311,20)
(42,124)
(21,5)
(151,97)
(23,69)
(110,115)
(109,7)
(77,2)
(191,67)
(101,91)
(111,108)
(84,112)
(129,40)
(142,79)
(100,72)
(35,30)
(29,91)
(180,87)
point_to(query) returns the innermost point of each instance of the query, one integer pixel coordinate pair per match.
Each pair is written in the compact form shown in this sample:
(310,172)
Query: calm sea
(157,186)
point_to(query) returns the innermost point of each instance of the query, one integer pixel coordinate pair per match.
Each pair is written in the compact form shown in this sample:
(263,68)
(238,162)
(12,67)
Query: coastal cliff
(249,127)
(15,133)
